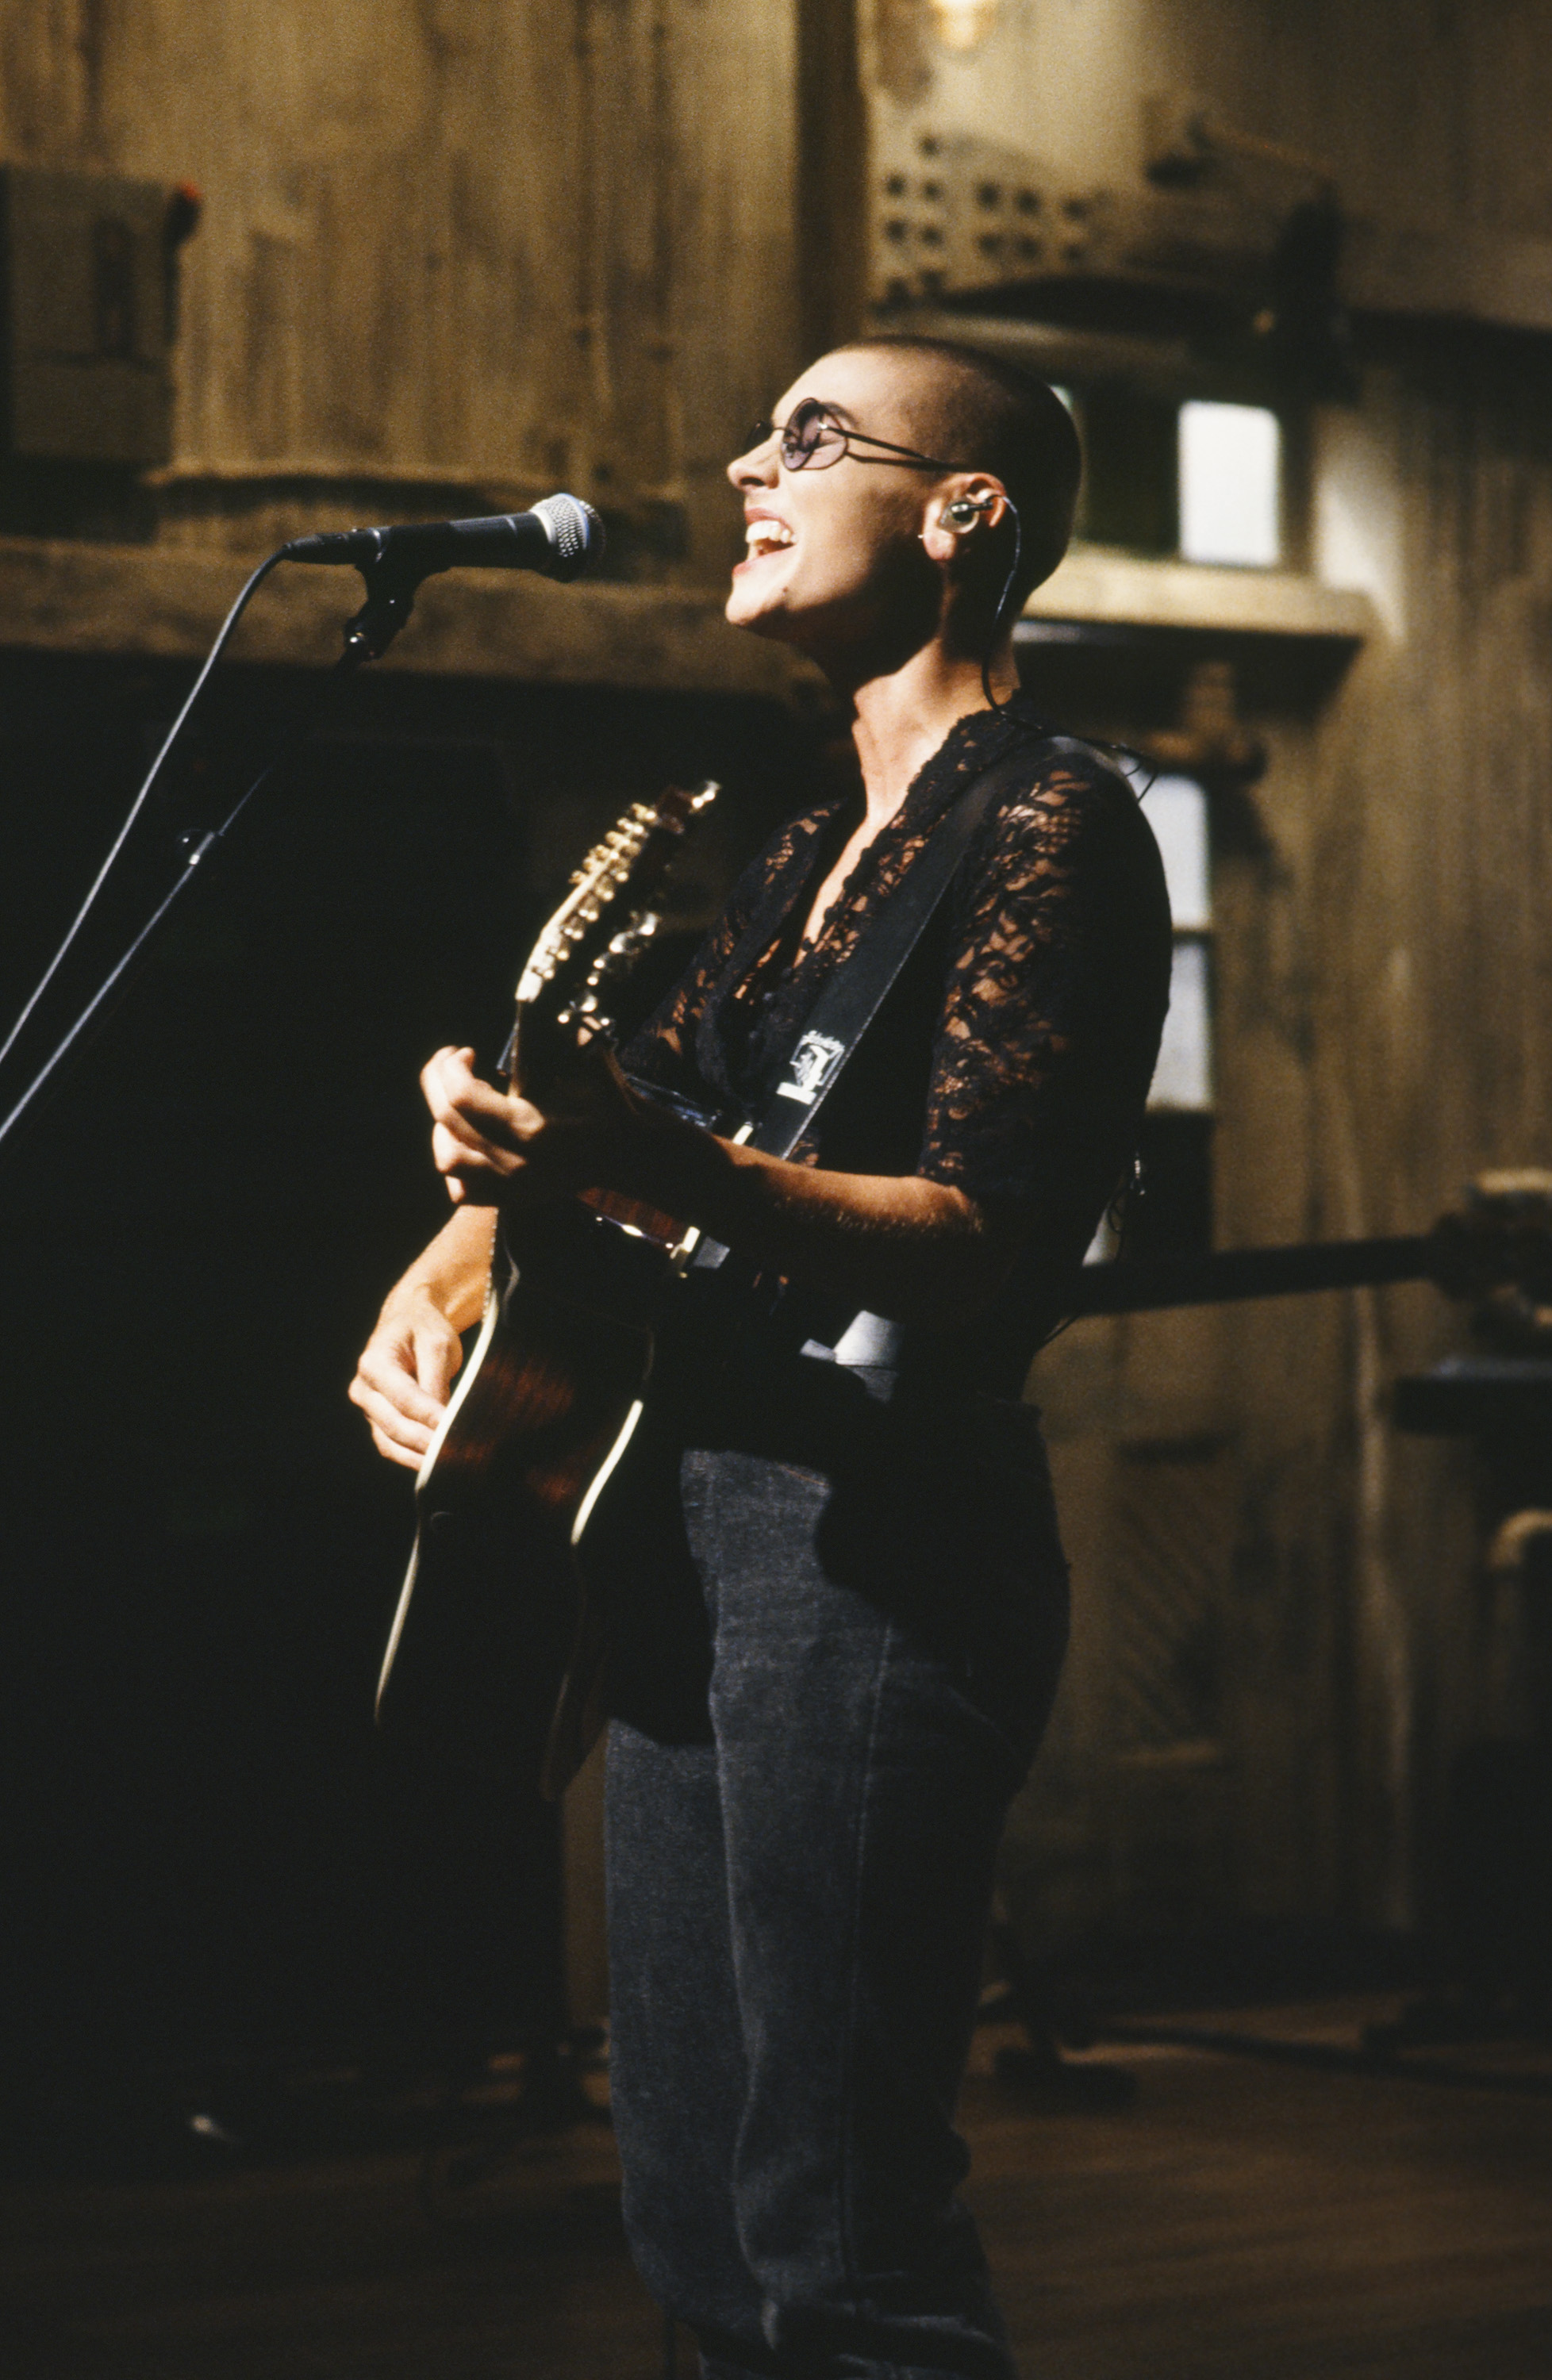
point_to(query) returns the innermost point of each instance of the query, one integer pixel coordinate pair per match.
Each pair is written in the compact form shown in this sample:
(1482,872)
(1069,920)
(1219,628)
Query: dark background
(208,1856)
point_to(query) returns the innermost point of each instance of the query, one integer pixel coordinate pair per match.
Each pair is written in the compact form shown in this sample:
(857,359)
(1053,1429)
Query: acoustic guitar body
(495,1611)
(491,1658)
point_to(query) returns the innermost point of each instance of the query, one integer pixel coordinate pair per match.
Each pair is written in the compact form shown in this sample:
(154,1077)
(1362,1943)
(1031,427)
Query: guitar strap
(831,1033)
(853,997)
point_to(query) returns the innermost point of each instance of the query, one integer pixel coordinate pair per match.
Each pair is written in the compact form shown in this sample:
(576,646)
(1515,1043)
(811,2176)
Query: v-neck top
(1011,1058)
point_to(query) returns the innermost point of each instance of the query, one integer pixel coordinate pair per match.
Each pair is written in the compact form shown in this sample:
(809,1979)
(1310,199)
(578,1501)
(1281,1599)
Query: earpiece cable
(1002,606)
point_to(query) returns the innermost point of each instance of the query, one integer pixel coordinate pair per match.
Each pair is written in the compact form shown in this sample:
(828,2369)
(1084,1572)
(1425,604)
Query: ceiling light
(964,24)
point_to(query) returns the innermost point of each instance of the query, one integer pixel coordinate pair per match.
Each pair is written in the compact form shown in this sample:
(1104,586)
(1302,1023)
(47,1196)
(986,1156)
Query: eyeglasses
(812,440)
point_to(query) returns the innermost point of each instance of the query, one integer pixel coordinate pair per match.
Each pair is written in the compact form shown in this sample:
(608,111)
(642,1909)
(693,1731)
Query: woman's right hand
(402,1381)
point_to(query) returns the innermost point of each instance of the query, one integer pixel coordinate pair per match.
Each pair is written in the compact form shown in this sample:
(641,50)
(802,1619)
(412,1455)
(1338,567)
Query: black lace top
(1011,1058)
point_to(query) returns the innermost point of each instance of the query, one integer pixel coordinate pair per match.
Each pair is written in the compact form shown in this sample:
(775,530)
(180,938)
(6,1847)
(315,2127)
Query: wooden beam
(1465,274)
(1116,590)
(60,596)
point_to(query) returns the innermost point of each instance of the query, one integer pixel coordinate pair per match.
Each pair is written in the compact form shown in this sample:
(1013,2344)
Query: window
(1230,485)
(1173,1214)
(1202,481)
(1176,808)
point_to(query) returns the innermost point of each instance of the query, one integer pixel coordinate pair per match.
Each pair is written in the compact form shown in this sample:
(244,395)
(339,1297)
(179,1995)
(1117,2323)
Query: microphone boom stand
(392,585)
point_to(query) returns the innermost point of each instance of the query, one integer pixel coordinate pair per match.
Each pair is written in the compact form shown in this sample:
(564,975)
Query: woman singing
(834,1650)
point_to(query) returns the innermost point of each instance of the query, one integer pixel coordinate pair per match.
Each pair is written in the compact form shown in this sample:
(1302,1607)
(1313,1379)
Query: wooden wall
(1278,1646)
(508,248)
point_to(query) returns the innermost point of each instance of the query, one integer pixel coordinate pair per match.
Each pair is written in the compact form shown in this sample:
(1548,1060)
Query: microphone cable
(137,805)
(574,535)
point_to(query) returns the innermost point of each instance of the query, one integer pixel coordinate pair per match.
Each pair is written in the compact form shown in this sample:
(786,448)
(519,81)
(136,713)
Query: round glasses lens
(811,437)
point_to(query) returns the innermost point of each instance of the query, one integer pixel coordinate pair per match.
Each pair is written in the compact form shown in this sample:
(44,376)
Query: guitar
(493,1618)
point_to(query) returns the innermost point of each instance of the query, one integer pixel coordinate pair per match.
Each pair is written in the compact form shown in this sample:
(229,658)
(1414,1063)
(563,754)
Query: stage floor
(1245,2218)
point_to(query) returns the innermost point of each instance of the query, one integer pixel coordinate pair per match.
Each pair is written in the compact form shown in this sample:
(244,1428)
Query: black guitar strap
(853,997)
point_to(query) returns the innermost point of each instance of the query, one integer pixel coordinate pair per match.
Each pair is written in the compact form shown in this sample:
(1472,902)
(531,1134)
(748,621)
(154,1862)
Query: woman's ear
(960,512)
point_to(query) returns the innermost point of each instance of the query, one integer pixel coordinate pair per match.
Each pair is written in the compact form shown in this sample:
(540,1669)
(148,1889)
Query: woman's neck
(898,720)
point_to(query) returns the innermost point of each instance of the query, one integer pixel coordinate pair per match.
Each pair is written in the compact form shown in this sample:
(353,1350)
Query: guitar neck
(1142,1284)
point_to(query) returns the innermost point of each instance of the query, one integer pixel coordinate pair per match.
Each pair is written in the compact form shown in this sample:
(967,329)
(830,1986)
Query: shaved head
(983,413)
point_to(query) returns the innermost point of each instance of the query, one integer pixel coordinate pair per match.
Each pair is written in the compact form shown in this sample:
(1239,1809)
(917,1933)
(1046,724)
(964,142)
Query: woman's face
(834,557)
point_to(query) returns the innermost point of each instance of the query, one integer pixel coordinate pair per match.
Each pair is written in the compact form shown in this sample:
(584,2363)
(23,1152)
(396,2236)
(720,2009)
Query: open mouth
(764,536)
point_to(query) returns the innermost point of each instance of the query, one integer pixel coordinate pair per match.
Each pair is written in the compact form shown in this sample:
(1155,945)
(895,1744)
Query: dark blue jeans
(801,1850)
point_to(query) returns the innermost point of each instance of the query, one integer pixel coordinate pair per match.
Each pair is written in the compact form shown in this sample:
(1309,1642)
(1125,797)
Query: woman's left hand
(490,1145)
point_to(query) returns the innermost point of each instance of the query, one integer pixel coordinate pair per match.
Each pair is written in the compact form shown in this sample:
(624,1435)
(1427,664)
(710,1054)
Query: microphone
(559,539)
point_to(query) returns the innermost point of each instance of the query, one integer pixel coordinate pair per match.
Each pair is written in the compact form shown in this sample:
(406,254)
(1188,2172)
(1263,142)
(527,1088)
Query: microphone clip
(391,582)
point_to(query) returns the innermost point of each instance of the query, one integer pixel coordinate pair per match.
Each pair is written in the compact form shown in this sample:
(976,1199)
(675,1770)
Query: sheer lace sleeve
(1054,994)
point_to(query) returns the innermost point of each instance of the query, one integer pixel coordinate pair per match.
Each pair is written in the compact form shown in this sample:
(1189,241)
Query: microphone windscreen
(576,534)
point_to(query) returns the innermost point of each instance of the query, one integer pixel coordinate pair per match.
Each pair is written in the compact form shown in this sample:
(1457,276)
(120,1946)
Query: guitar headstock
(605,920)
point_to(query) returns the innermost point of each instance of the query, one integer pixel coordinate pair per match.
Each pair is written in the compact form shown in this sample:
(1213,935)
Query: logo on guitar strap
(812,1068)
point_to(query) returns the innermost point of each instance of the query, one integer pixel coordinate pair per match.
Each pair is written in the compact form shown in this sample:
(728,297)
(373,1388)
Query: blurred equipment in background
(88,304)
(89,313)
(1497,1958)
